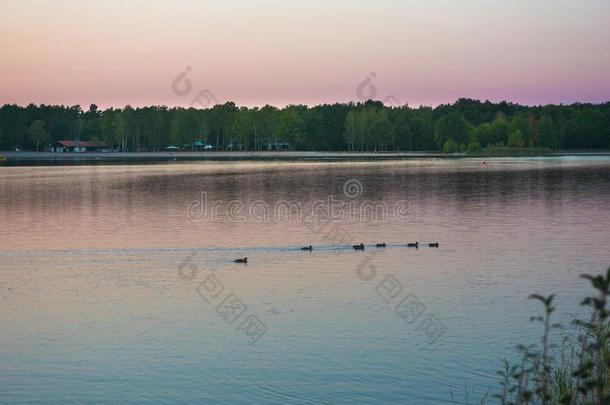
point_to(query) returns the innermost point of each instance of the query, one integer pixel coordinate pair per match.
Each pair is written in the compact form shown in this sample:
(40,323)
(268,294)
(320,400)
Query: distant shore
(216,155)
(52,158)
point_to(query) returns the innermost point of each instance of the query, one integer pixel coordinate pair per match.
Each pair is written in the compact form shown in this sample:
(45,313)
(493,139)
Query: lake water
(116,285)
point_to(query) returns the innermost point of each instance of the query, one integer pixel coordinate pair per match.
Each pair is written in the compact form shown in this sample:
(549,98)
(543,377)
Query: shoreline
(67,158)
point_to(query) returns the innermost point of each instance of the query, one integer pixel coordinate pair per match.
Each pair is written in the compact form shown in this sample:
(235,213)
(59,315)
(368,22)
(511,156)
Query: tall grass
(575,371)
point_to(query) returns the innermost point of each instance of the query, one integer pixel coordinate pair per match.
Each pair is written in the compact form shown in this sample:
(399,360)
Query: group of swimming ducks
(358,247)
(382,245)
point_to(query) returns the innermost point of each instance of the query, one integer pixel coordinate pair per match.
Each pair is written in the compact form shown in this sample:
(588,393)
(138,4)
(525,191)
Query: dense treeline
(466,124)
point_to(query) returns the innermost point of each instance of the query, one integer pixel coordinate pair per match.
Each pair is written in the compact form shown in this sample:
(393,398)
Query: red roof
(85,144)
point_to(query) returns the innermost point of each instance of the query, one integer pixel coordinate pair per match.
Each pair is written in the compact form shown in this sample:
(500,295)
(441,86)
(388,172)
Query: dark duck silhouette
(244,260)
(359,247)
(307,248)
(435,244)
(415,245)
(381,245)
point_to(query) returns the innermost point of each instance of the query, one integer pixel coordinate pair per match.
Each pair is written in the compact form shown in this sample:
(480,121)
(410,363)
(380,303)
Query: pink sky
(114,53)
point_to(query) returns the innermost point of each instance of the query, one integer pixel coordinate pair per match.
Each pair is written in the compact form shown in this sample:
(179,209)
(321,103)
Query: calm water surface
(94,307)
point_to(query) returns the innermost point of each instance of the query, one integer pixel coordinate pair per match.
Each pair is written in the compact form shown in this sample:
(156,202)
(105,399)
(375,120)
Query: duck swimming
(435,244)
(381,245)
(415,245)
(359,247)
(244,260)
(307,248)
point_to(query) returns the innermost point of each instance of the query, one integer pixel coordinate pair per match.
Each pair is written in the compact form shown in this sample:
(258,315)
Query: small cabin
(77,146)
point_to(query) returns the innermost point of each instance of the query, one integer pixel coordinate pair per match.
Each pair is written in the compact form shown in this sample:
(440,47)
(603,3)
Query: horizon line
(283,106)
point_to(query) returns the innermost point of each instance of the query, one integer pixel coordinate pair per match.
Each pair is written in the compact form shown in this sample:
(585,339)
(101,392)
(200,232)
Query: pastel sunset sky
(119,52)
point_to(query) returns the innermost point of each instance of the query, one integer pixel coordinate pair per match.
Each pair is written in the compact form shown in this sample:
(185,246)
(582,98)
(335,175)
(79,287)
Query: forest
(364,126)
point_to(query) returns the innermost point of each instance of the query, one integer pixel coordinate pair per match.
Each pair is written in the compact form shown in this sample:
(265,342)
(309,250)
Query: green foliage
(494,132)
(575,372)
(368,126)
(290,127)
(473,147)
(243,128)
(38,133)
(413,129)
(179,129)
(450,146)
(369,129)
(547,132)
(590,125)
(515,139)
(454,127)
